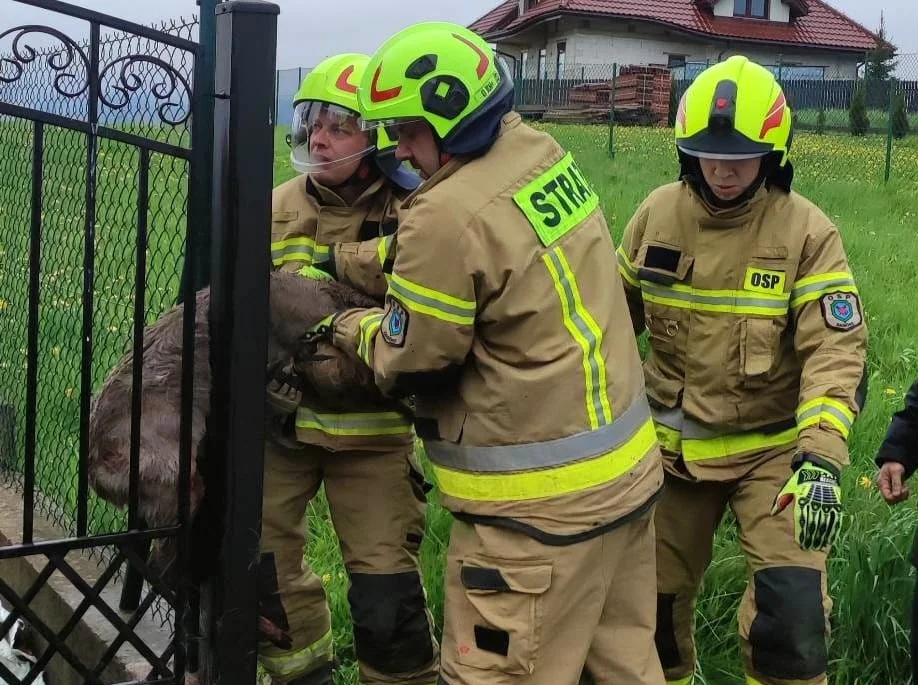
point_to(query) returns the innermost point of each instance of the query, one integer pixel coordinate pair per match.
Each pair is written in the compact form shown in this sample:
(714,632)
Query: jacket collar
(509,122)
(326,197)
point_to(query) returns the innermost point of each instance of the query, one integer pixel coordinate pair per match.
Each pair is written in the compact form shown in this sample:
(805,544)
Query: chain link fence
(866,124)
(49,72)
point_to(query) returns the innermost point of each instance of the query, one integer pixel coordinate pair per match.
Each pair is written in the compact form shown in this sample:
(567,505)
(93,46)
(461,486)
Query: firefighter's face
(333,138)
(729,178)
(417,146)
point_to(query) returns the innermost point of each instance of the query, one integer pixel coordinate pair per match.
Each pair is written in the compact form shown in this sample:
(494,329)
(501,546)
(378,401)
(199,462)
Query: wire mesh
(145,91)
(858,119)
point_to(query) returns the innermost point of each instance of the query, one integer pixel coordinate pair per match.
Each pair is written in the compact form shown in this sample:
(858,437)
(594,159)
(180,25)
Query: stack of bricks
(642,92)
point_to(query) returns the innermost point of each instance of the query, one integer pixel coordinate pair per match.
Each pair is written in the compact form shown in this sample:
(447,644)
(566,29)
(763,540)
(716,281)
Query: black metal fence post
(246,39)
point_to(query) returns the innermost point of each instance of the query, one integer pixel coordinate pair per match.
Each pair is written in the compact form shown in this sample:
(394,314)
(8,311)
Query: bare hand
(890,483)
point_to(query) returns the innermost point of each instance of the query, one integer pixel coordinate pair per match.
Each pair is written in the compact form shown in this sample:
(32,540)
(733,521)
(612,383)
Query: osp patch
(841,311)
(395,323)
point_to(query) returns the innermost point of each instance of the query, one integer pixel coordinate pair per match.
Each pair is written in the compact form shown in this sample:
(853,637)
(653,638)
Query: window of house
(542,66)
(560,58)
(524,64)
(755,9)
(675,61)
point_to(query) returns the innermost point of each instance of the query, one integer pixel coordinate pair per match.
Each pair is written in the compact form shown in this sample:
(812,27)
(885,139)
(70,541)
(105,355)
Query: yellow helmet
(327,98)
(734,110)
(328,95)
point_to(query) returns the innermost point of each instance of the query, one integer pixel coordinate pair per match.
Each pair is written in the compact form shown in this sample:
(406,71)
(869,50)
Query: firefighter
(897,459)
(501,321)
(755,372)
(338,219)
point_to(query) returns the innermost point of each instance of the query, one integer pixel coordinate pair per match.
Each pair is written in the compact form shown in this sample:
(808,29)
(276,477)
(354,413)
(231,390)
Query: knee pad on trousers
(665,635)
(391,630)
(788,634)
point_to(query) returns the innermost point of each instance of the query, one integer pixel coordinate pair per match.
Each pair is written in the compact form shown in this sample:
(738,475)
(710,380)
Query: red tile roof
(821,26)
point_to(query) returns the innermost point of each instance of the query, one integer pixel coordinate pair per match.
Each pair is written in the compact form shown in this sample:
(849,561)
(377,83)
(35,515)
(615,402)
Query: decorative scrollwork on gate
(64,60)
(173,88)
(122,80)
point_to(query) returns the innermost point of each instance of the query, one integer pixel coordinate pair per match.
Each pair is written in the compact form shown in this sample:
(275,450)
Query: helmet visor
(390,126)
(324,136)
(721,155)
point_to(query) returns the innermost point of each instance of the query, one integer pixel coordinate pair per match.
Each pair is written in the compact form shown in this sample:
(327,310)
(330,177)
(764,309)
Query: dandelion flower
(865,482)
(890,391)
(326,578)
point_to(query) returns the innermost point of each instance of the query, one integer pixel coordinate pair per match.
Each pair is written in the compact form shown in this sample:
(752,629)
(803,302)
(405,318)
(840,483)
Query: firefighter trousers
(519,611)
(377,506)
(784,612)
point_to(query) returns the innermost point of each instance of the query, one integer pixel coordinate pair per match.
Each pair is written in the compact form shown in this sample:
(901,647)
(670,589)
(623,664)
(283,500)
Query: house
(569,39)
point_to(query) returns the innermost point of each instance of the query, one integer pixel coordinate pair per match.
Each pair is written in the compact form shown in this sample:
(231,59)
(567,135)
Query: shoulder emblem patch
(395,323)
(841,311)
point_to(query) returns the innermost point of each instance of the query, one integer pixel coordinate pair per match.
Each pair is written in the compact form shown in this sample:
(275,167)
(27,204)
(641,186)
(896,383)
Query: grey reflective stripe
(779,306)
(575,315)
(690,429)
(671,418)
(809,413)
(411,296)
(825,409)
(820,286)
(535,455)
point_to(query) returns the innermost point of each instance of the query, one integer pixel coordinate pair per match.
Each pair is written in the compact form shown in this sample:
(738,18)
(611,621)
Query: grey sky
(310,30)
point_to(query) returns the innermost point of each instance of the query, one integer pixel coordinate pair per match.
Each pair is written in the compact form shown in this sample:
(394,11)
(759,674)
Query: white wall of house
(593,46)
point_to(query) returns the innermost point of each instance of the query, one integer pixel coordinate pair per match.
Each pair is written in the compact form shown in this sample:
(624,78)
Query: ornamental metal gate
(115,204)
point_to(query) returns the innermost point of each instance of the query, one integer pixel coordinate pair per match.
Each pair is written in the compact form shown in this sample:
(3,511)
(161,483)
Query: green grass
(837,119)
(61,286)
(870,577)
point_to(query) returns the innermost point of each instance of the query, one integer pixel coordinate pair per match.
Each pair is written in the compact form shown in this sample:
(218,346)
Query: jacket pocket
(759,339)
(500,623)
(665,274)
(284,217)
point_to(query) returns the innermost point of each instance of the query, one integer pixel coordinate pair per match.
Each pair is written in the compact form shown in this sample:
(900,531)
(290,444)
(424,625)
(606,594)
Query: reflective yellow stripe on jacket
(353,423)
(626,268)
(297,249)
(811,413)
(699,299)
(512,473)
(698,443)
(813,287)
(430,302)
(805,290)
(369,327)
(583,328)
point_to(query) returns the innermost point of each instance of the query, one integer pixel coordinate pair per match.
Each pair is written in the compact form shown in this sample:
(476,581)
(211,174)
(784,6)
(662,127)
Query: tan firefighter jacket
(307,219)
(755,326)
(501,316)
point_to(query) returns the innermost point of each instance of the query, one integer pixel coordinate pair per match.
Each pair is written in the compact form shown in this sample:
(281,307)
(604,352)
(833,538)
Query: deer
(296,305)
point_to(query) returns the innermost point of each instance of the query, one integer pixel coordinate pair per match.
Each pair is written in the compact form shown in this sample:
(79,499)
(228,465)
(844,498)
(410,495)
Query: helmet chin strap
(362,176)
(691,171)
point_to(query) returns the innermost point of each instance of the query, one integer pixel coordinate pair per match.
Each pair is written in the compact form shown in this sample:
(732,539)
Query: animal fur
(296,303)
